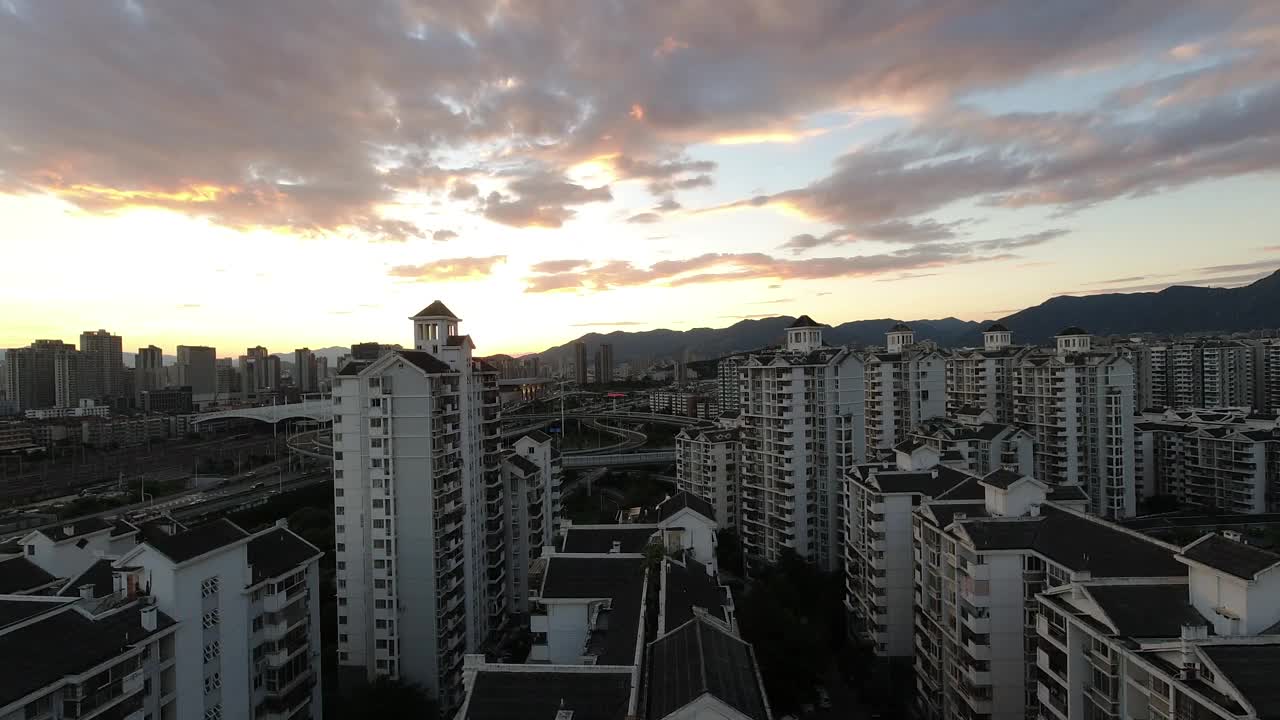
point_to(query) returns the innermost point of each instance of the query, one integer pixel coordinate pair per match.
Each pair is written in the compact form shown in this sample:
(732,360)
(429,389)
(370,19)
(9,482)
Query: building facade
(802,426)
(905,385)
(101,365)
(707,467)
(982,378)
(420,509)
(198,368)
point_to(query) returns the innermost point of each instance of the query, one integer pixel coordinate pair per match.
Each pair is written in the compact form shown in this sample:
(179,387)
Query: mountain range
(1177,310)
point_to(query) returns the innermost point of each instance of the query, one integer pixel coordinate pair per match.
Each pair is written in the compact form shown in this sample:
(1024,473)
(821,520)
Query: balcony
(1056,702)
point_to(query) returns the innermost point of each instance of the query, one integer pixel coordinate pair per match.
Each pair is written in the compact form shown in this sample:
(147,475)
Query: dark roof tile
(599,540)
(278,552)
(425,361)
(436,309)
(1147,611)
(1251,669)
(19,575)
(1234,558)
(682,500)
(197,541)
(700,658)
(524,695)
(804,321)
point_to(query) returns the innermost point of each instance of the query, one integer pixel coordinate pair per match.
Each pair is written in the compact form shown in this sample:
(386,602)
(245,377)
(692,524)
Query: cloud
(668,204)
(643,218)
(1268,265)
(774,286)
(541,200)
(730,267)
(616,323)
(907,276)
(188,306)
(772,302)
(1114,281)
(889,231)
(749,317)
(312,119)
(465,268)
(442,235)
(1220,281)
(559,266)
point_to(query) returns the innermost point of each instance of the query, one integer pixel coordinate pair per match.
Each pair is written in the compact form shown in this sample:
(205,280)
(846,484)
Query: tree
(391,699)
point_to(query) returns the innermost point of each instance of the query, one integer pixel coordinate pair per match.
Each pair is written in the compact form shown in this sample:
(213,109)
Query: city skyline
(262,187)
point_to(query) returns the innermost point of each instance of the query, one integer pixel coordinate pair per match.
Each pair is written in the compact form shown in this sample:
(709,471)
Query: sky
(296,173)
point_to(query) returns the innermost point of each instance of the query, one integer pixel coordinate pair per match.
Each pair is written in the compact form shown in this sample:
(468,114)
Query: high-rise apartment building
(973,442)
(1199,373)
(1213,459)
(707,467)
(46,374)
(982,378)
(532,474)
(1078,405)
(197,368)
(420,509)
(101,365)
(604,363)
(148,369)
(802,427)
(305,370)
(728,388)
(580,362)
(905,385)
(1269,375)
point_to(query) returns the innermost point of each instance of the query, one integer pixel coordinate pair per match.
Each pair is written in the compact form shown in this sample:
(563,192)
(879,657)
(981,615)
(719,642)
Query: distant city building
(86,408)
(728,383)
(364,351)
(198,369)
(580,362)
(305,370)
(422,510)
(148,369)
(227,380)
(604,363)
(101,365)
(982,378)
(1078,405)
(166,400)
(1201,373)
(255,374)
(44,375)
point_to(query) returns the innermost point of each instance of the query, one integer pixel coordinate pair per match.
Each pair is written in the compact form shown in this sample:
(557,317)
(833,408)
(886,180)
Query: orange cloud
(637,111)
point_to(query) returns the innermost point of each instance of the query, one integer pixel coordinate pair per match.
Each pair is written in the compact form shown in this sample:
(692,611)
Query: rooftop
(79,528)
(43,645)
(525,465)
(932,482)
(682,500)
(436,309)
(19,575)
(617,577)
(99,575)
(699,658)
(600,539)
(197,541)
(688,586)
(526,694)
(900,327)
(1251,669)
(1072,330)
(278,552)
(1234,558)
(804,321)
(538,436)
(1002,478)
(425,361)
(996,327)
(1147,611)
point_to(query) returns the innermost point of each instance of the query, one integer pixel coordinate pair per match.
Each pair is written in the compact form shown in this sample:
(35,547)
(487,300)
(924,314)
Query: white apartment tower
(532,474)
(420,509)
(904,386)
(982,378)
(707,466)
(1078,405)
(802,427)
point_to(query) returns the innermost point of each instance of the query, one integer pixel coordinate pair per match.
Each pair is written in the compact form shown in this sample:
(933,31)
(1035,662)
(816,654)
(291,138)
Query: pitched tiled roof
(19,575)
(523,463)
(99,575)
(1234,558)
(1001,478)
(537,436)
(804,321)
(425,361)
(1147,611)
(1072,330)
(353,367)
(619,578)
(682,500)
(689,586)
(79,528)
(996,327)
(436,309)
(1251,669)
(197,541)
(278,552)
(525,695)
(700,659)
(632,539)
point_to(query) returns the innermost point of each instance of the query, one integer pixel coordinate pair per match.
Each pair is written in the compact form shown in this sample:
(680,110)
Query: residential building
(198,368)
(85,408)
(420,509)
(44,375)
(274,373)
(707,466)
(1200,373)
(580,362)
(227,380)
(101,365)
(802,427)
(728,389)
(982,378)
(905,385)
(305,371)
(678,400)
(618,636)
(14,434)
(1225,460)
(1269,375)
(979,566)
(1196,645)
(972,441)
(254,373)
(1078,405)
(532,474)
(148,369)
(167,400)
(122,432)
(604,363)
(75,657)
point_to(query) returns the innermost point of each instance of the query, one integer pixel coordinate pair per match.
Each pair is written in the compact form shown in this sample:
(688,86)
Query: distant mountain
(706,343)
(1176,310)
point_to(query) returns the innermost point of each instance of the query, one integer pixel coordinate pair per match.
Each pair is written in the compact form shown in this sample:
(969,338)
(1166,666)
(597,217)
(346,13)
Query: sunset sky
(294,172)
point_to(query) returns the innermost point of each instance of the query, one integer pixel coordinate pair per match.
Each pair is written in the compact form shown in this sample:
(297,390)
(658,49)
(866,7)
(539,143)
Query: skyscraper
(148,369)
(304,370)
(197,368)
(253,371)
(31,375)
(101,365)
(420,509)
(905,385)
(982,378)
(580,362)
(802,429)
(604,363)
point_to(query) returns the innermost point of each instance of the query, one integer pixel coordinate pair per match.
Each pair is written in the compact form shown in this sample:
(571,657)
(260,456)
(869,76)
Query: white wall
(567,631)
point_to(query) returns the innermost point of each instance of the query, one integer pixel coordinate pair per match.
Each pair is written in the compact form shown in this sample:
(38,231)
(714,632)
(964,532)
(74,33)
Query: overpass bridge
(652,457)
(318,408)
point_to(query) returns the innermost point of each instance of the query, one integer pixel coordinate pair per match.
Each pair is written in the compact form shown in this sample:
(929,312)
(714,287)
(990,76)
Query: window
(342,638)
(339,510)
(341,547)
(31,549)
(257,623)
(212,651)
(257,682)
(338,492)
(342,602)
(379,564)
(342,619)
(380,644)
(380,604)
(380,624)
(211,618)
(340,529)
(211,683)
(213,713)
(380,584)
(379,523)
(209,586)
